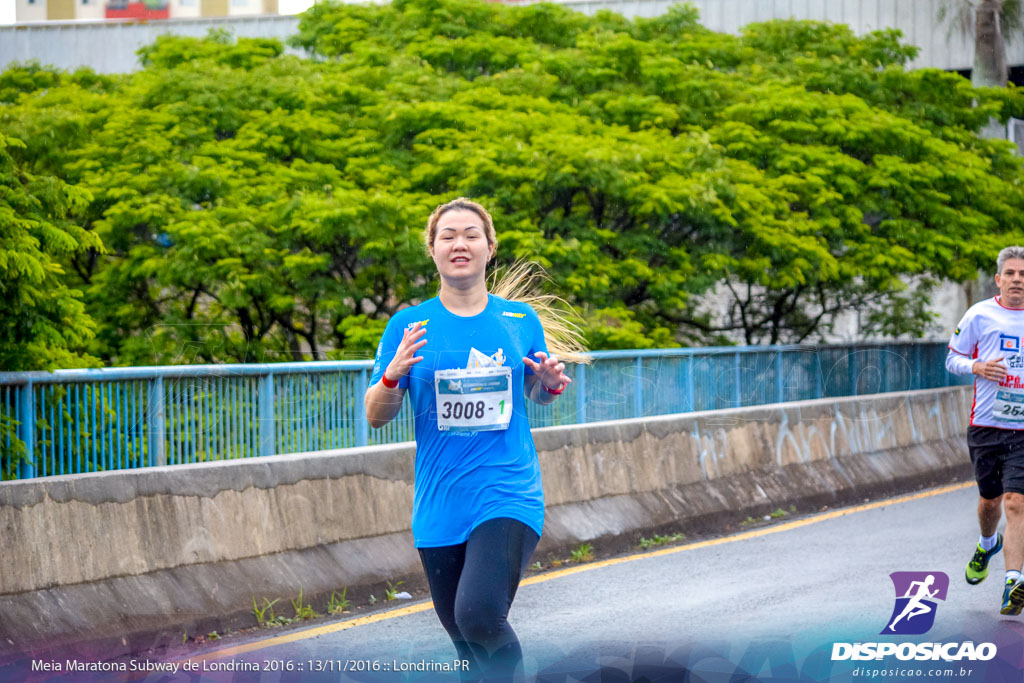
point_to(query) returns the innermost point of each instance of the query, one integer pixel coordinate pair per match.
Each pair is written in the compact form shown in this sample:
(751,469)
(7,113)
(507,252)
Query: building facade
(145,10)
(941,45)
(58,10)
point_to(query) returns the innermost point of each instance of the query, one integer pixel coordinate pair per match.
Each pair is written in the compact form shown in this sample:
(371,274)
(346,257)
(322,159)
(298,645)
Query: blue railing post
(265,409)
(638,388)
(691,390)
(581,393)
(362,426)
(737,393)
(885,375)
(851,370)
(27,431)
(156,422)
(819,379)
(780,386)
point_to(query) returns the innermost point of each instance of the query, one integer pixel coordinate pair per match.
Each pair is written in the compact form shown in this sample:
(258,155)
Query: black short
(998,459)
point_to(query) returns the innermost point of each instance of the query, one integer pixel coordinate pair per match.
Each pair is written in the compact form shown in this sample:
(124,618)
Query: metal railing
(72,421)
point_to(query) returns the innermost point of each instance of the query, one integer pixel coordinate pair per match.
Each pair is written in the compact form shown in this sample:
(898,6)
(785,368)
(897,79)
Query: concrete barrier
(135,558)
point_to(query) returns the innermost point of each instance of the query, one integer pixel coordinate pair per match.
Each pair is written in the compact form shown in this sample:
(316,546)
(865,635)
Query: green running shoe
(1013,597)
(977,568)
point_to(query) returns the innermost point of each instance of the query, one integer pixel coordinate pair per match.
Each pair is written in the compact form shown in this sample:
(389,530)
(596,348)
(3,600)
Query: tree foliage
(42,320)
(254,205)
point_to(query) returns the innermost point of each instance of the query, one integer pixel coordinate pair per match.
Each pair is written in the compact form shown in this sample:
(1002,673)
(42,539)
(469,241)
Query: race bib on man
(473,400)
(1008,405)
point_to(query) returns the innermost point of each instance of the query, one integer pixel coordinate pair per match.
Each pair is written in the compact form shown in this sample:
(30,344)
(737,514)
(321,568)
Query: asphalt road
(768,603)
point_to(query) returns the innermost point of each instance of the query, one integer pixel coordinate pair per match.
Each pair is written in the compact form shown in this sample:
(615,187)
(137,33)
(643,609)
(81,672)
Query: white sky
(284,6)
(6,11)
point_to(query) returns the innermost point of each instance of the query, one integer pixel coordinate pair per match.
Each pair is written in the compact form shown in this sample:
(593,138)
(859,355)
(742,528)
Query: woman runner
(469,359)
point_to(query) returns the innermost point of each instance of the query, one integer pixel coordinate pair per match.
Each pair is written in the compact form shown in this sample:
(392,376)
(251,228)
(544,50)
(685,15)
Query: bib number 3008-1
(476,400)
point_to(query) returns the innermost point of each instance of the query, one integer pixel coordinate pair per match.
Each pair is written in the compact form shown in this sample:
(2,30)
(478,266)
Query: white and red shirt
(988,331)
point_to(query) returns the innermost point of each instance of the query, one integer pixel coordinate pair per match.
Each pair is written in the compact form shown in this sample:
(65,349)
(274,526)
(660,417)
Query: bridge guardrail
(72,421)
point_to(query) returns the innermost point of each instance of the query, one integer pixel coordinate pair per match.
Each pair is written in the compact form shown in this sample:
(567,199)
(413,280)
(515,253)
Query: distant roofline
(175,20)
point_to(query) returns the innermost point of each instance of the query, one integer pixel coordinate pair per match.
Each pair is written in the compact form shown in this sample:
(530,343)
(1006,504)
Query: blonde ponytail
(522,282)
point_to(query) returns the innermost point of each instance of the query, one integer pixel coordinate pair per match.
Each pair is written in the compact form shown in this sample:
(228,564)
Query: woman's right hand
(405,356)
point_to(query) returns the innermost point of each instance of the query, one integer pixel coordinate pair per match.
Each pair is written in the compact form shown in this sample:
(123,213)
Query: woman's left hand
(549,370)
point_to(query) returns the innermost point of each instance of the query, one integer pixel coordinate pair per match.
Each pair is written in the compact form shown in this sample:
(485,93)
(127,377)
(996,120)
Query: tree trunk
(989,56)
(989,46)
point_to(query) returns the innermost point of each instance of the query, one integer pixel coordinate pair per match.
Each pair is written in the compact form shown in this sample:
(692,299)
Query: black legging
(473,585)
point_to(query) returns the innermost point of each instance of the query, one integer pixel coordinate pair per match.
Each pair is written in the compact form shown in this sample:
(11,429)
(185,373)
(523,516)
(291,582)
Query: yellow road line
(550,576)
(744,536)
(311,632)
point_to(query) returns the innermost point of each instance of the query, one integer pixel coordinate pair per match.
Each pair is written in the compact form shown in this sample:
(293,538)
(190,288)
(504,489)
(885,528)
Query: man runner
(988,343)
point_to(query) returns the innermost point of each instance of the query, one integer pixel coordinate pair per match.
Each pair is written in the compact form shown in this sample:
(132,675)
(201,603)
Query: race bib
(1008,405)
(473,400)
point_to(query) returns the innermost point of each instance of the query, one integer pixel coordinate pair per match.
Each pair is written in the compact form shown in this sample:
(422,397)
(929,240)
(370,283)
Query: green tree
(42,320)
(258,206)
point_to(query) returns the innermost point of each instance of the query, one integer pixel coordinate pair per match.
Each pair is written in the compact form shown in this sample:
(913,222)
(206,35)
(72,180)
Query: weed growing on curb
(391,590)
(261,612)
(584,553)
(338,603)
(265,616)
(657,540)
(303,612)
(373,599)
(778,514)
(537,566)
(213,635)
